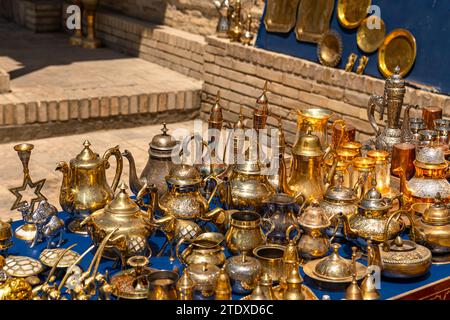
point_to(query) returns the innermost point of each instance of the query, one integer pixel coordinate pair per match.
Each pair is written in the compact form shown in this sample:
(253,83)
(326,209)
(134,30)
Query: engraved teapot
(204,248)
(158,165)
(372,217)
(134,227)
(84,187)
(432,230)
(430,177)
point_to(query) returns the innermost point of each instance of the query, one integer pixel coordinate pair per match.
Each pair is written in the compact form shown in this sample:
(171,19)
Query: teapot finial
(397,70)
(398,241)
(123,187)
(164,129)
(86,144)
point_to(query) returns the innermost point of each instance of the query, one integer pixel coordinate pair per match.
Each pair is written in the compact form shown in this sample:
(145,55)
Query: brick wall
(196,16)
(240,72)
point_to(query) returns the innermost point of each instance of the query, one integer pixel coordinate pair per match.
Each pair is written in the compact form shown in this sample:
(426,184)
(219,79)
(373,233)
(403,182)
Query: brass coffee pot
(430,177)
(84,187)
(306,177)
(432,230)
(158,165)
(134,227)
(372,217)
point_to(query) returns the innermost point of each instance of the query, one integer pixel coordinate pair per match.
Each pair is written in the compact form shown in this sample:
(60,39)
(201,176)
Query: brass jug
(84,187)
(158,165)
(306,176)
(316,120)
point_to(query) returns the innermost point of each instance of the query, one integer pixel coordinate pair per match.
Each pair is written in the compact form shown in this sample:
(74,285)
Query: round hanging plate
(398,49)
(369,40)
(329,49)
(351,13)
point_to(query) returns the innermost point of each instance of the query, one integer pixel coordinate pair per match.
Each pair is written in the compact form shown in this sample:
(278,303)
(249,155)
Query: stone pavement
(47,152)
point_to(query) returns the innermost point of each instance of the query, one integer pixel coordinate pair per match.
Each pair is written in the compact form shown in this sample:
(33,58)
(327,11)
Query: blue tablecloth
(389,288)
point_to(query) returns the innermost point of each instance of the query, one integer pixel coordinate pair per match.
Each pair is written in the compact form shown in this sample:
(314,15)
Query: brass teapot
(432,230)
(205,248)
(183,199)
(134,227)
(430,177)
(306,176)
(373,216)
(84,187)
(158,165)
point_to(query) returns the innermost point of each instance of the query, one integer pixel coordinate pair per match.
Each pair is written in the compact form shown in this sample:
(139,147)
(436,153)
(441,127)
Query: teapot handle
(374,102)
(289,231)
(116,153)
(271,223)
(185,253)
(216,186)
(397,215)
(205,144)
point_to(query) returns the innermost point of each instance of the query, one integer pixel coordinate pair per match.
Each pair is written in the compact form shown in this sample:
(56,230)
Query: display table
(435,285)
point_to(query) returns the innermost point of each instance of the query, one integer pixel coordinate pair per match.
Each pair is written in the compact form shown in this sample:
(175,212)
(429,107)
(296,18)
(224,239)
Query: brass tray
(369,40)
(313,19)
(309,294)
(280,15)
(329,50)
(398,49)
(309,269)
(350,13)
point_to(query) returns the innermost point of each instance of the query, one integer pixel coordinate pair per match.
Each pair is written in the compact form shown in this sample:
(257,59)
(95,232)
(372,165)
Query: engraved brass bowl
(329,49)
(398,49)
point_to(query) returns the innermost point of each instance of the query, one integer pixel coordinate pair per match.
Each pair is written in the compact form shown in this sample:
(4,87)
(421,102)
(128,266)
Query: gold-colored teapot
(183,199)
(432,230)
(430,177)
(373,216)
(134,227)
(205,248)
(84,187)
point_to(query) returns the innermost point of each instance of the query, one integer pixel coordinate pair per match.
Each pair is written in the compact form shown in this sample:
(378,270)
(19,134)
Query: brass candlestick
(77,38)
(90,41)
(28,230)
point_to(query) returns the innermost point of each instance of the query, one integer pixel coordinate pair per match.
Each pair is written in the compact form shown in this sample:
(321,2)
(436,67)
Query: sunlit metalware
(223,25)
(162,285)
(205,248)
(369,36)
(222,290)
(205,277)
(5,237)
(382,170)
(90,7)
(429,114)
(363,61)
(313,19)
(185,286)
(271,258)
(243,271)
(280,15)
(329,49)
(236,29)
(351,60)
(403,156)
(351,13)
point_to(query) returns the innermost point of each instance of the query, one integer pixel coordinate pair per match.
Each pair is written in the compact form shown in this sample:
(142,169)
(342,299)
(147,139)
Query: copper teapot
(84,187)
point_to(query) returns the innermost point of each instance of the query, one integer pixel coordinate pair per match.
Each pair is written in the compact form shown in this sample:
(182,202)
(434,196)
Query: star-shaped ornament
(17,192)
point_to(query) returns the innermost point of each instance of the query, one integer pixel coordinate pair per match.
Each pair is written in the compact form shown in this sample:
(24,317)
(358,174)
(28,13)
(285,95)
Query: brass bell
(353,291)
(223,286)
(185,287)
(294,285)
(263,289)
(368,288)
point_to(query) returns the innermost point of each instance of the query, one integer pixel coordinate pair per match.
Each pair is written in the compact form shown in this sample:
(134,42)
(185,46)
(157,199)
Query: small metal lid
(438,213)
(308,145)
(122,204)
(163,142)
(430,155)
(242,267)
(364,162)
(183,175)
(185,283)
(395,81)
(373,200)
(334,267)
(400,245)
(378,155)
(314,217)
(86,158)
(202,272)
(339,192)
(262,99)
(249,167)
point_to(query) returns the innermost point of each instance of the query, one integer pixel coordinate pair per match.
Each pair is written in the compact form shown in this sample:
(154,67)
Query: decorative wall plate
(398,49)
(351,13)
(329,50)
(22,267)
(48,257)
(369,40)
(280,15)
(313,19)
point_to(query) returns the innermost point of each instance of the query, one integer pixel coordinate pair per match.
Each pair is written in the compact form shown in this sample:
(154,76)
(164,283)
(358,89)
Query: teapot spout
(135,183)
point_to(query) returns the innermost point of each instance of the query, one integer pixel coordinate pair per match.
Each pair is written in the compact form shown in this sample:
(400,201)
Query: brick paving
(47,152)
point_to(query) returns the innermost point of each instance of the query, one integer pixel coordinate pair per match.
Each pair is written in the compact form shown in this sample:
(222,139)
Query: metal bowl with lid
(243,271)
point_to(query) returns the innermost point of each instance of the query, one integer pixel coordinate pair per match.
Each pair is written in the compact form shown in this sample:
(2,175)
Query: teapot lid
(185,282)
(86,157)
(122,203)
(314,217)
(395,80)
(203,271)
(339,192)
(308,145)
(164,141)
(262,99)
(249,167)
(334,267)
(430,155)
(400,245)
(373,200)
(183,175)
(438,213)
(242,266)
